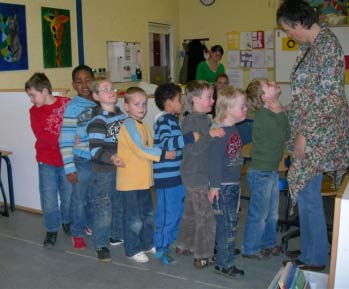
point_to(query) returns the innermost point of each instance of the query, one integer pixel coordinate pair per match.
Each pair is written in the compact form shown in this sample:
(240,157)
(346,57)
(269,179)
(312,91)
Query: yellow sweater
(135,148)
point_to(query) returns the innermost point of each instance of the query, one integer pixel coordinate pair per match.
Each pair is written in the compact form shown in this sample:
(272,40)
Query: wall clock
(207,2)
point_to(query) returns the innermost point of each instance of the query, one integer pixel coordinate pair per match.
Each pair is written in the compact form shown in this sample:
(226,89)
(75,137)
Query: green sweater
(204,72)
(270,132)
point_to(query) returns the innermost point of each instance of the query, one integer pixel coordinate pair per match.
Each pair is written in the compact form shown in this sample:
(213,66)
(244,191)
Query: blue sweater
(73,140)
(168,136)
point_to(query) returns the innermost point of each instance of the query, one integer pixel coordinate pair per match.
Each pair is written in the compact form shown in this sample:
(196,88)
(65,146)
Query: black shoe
(232,272)
(103,254)
(115,242)
(293,254)
(50,239)
(260,256)
(237,251)
(66,229)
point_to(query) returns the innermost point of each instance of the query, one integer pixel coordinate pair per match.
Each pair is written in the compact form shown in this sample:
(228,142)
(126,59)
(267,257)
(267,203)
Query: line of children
(103,132)
(167,178)
(46,117)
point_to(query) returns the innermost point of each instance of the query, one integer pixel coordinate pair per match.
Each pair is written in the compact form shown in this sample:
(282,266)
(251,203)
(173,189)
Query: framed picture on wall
(56,37)
(13,37)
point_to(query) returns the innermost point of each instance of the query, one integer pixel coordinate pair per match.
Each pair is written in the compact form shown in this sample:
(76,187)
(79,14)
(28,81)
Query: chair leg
(287,237)
(5,212)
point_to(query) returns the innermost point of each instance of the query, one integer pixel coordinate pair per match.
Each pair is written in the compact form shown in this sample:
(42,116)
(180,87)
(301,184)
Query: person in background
(197,229)
(225,164)
(73,143)
(269,135)
(221,82)
(134,179)
(318,117)
(46,117)
(167,178)
(209,69)
(106,204)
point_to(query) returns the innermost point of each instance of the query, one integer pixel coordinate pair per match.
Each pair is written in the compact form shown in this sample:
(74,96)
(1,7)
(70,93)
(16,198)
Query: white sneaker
(151,251)
(140,257)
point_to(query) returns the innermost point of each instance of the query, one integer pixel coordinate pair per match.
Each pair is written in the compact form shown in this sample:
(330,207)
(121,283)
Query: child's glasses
(108,90)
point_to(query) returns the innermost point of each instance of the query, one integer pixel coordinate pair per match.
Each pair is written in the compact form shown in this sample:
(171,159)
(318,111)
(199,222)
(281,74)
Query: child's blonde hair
(131,91)
(226,98)
(96,82)
(194,88)
(254,92)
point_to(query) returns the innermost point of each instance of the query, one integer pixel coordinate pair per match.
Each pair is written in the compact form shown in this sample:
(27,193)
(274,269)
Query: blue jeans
(314,240)
(81,215)
(225,210)
(53,182)
(138,221)
(106,208)
(169,210)
(260,229)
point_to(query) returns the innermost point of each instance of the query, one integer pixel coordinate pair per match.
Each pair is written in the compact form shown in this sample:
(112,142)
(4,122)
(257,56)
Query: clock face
(207,2)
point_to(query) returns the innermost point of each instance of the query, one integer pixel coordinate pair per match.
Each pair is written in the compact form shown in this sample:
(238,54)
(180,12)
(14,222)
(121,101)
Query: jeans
(169,210)
(260,229)
(226,212)
(106,209)
(53,182)
(81,215)
(313,229)
(138,221)
(198,226)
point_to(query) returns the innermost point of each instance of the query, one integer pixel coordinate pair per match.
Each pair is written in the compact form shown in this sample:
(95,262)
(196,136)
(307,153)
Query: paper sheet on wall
(258,40)
(269,58)
(269,39)
(233,58)
(258,73)
(246,58)
(233,40)
(236,77)
(258,57)
(245,40)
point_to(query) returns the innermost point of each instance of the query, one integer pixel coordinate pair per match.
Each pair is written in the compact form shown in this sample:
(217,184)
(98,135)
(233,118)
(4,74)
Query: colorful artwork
(56,37)
(13,37)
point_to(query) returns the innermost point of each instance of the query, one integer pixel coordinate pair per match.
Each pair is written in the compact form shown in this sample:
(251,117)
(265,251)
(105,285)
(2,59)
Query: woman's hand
(299,147)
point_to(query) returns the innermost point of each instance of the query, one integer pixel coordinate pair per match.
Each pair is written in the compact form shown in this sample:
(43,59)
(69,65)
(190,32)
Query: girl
(269,134)
(225,163)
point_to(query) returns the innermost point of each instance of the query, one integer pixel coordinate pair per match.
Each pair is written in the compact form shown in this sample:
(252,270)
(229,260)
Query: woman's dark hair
(217,48)
(293,12)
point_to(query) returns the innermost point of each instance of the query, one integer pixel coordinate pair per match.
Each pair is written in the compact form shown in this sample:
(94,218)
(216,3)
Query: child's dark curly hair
(164,92)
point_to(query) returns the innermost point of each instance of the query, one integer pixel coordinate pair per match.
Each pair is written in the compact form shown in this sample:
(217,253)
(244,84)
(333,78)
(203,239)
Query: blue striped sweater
(168,136)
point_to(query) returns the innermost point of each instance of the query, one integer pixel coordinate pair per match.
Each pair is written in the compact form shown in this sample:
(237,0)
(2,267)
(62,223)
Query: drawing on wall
(56,38)
(13,37)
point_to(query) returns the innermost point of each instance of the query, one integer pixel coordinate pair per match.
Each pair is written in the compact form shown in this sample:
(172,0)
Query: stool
(4,155)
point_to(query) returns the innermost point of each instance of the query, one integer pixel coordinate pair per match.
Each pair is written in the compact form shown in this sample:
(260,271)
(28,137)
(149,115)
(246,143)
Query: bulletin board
(124,61)
(286,53)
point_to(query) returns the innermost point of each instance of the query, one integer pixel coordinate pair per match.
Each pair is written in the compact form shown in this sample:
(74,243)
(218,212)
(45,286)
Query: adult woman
(209,69)
(318,116)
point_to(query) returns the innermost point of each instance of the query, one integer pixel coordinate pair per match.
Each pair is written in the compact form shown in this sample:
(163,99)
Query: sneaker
(165,257)
(151,251)
(88,231)
(232,272)
(66,229)
(115,242)
(275,251)
(50,239)
(79,243)
(103,254)
(140,257)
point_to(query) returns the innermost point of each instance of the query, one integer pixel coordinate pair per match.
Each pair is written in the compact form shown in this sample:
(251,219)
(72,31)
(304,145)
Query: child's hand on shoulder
(117,161)
(217,132)
(196,136)
(213,194)
(170,155)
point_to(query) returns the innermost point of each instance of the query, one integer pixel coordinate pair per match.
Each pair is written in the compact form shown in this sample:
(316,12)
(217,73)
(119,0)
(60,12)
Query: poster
(13,37)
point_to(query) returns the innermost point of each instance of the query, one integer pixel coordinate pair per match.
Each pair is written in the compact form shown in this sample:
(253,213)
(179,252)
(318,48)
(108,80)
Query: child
(221,82)
(167,178)
(197,229)
(269,134)
(134,180)
(106,205)
(46,117)
(73,144)
(225,163)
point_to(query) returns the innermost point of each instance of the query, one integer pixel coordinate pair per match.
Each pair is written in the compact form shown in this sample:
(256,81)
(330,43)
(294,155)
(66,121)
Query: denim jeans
(197,230)
(53,182)
(138,221)
(314,240)
(260,229)
(225,210)
(169,210)
(106,209)
(81,215)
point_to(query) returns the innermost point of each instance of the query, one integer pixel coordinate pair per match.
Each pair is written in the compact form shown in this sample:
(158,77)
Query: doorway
(161,56)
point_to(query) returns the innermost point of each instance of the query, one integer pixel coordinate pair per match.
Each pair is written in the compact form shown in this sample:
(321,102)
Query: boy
(135,179)
(197,230)
(73,143)
(46,117)
(167,178)
(103,132)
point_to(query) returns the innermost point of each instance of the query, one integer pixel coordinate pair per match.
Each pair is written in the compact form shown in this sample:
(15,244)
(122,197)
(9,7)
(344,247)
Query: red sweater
(46,123)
